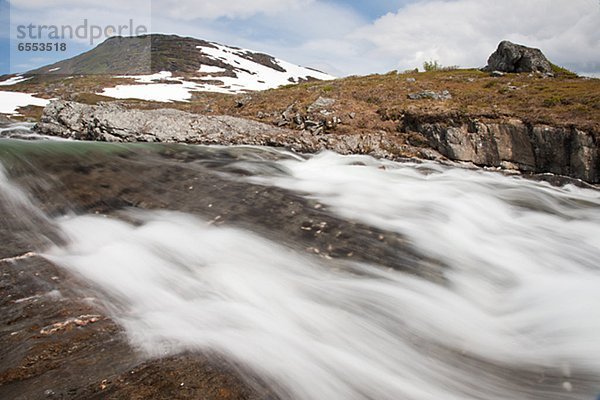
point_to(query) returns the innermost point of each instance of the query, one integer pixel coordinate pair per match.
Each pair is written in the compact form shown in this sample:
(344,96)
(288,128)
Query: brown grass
(379,101)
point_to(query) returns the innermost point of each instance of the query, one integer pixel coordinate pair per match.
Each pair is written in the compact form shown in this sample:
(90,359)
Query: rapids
(517,315)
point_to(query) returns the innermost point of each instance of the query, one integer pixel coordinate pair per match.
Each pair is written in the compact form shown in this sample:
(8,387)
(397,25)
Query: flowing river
(325,276)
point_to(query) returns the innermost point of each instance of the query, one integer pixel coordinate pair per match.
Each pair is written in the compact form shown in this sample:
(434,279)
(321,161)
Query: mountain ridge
(183,57)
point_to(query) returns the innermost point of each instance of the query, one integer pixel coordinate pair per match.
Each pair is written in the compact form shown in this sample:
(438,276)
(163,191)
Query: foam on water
(517,319)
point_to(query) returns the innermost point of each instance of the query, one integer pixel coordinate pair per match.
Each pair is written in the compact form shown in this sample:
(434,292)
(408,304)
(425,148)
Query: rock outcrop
(510,57)
(110,122)
(513,144)
(506,143)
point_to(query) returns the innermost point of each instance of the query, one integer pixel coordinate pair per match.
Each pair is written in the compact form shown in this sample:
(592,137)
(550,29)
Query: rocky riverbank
(512,144)
(502,142)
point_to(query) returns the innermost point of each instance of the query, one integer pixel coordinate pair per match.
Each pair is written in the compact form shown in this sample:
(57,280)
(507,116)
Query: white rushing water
(518,318)
(23,130)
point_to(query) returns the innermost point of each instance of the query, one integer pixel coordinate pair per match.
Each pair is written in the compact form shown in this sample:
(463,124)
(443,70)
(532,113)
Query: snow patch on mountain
(252,75)
(159,76)
(233,71)
(10,102)
(160,92)
(14,80)
(209,69)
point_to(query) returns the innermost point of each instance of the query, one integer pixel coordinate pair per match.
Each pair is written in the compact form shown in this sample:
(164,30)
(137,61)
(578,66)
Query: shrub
(429,66)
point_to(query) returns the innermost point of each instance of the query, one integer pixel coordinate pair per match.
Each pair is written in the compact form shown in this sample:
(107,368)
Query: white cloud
(211,9)
(339,40)
(88,24)
(112,4)
(465,32)
(455,32)
(179,9)
(310,37)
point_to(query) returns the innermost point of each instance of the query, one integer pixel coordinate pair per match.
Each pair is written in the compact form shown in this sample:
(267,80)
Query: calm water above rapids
(329,277)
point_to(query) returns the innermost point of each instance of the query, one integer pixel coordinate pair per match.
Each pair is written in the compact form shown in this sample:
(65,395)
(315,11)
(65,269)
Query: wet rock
(80,321)
(511,57)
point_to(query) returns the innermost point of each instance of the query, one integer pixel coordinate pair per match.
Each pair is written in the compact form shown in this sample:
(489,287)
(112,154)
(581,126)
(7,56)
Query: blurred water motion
(517,316)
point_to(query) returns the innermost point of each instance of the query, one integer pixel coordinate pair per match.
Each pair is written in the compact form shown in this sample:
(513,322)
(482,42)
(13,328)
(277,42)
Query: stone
(497,74)
(111,122)
(429,94)
(529,147)
(311,124)
(533,148)
(241,102)
(515,58)
(321,104)
(289,113)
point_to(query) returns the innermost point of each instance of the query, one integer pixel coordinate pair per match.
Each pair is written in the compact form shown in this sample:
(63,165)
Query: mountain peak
(158,58)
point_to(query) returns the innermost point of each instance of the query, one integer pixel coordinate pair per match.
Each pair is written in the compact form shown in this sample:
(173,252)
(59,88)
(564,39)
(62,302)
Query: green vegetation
(430,66)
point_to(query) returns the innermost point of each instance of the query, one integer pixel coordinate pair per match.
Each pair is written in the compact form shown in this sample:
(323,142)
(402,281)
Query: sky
(339,37)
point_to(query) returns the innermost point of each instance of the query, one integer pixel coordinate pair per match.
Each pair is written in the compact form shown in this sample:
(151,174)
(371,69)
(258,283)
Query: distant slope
(211,66)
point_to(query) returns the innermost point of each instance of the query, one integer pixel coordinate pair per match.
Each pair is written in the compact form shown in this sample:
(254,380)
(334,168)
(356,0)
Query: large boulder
(112,122)
(510,57)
